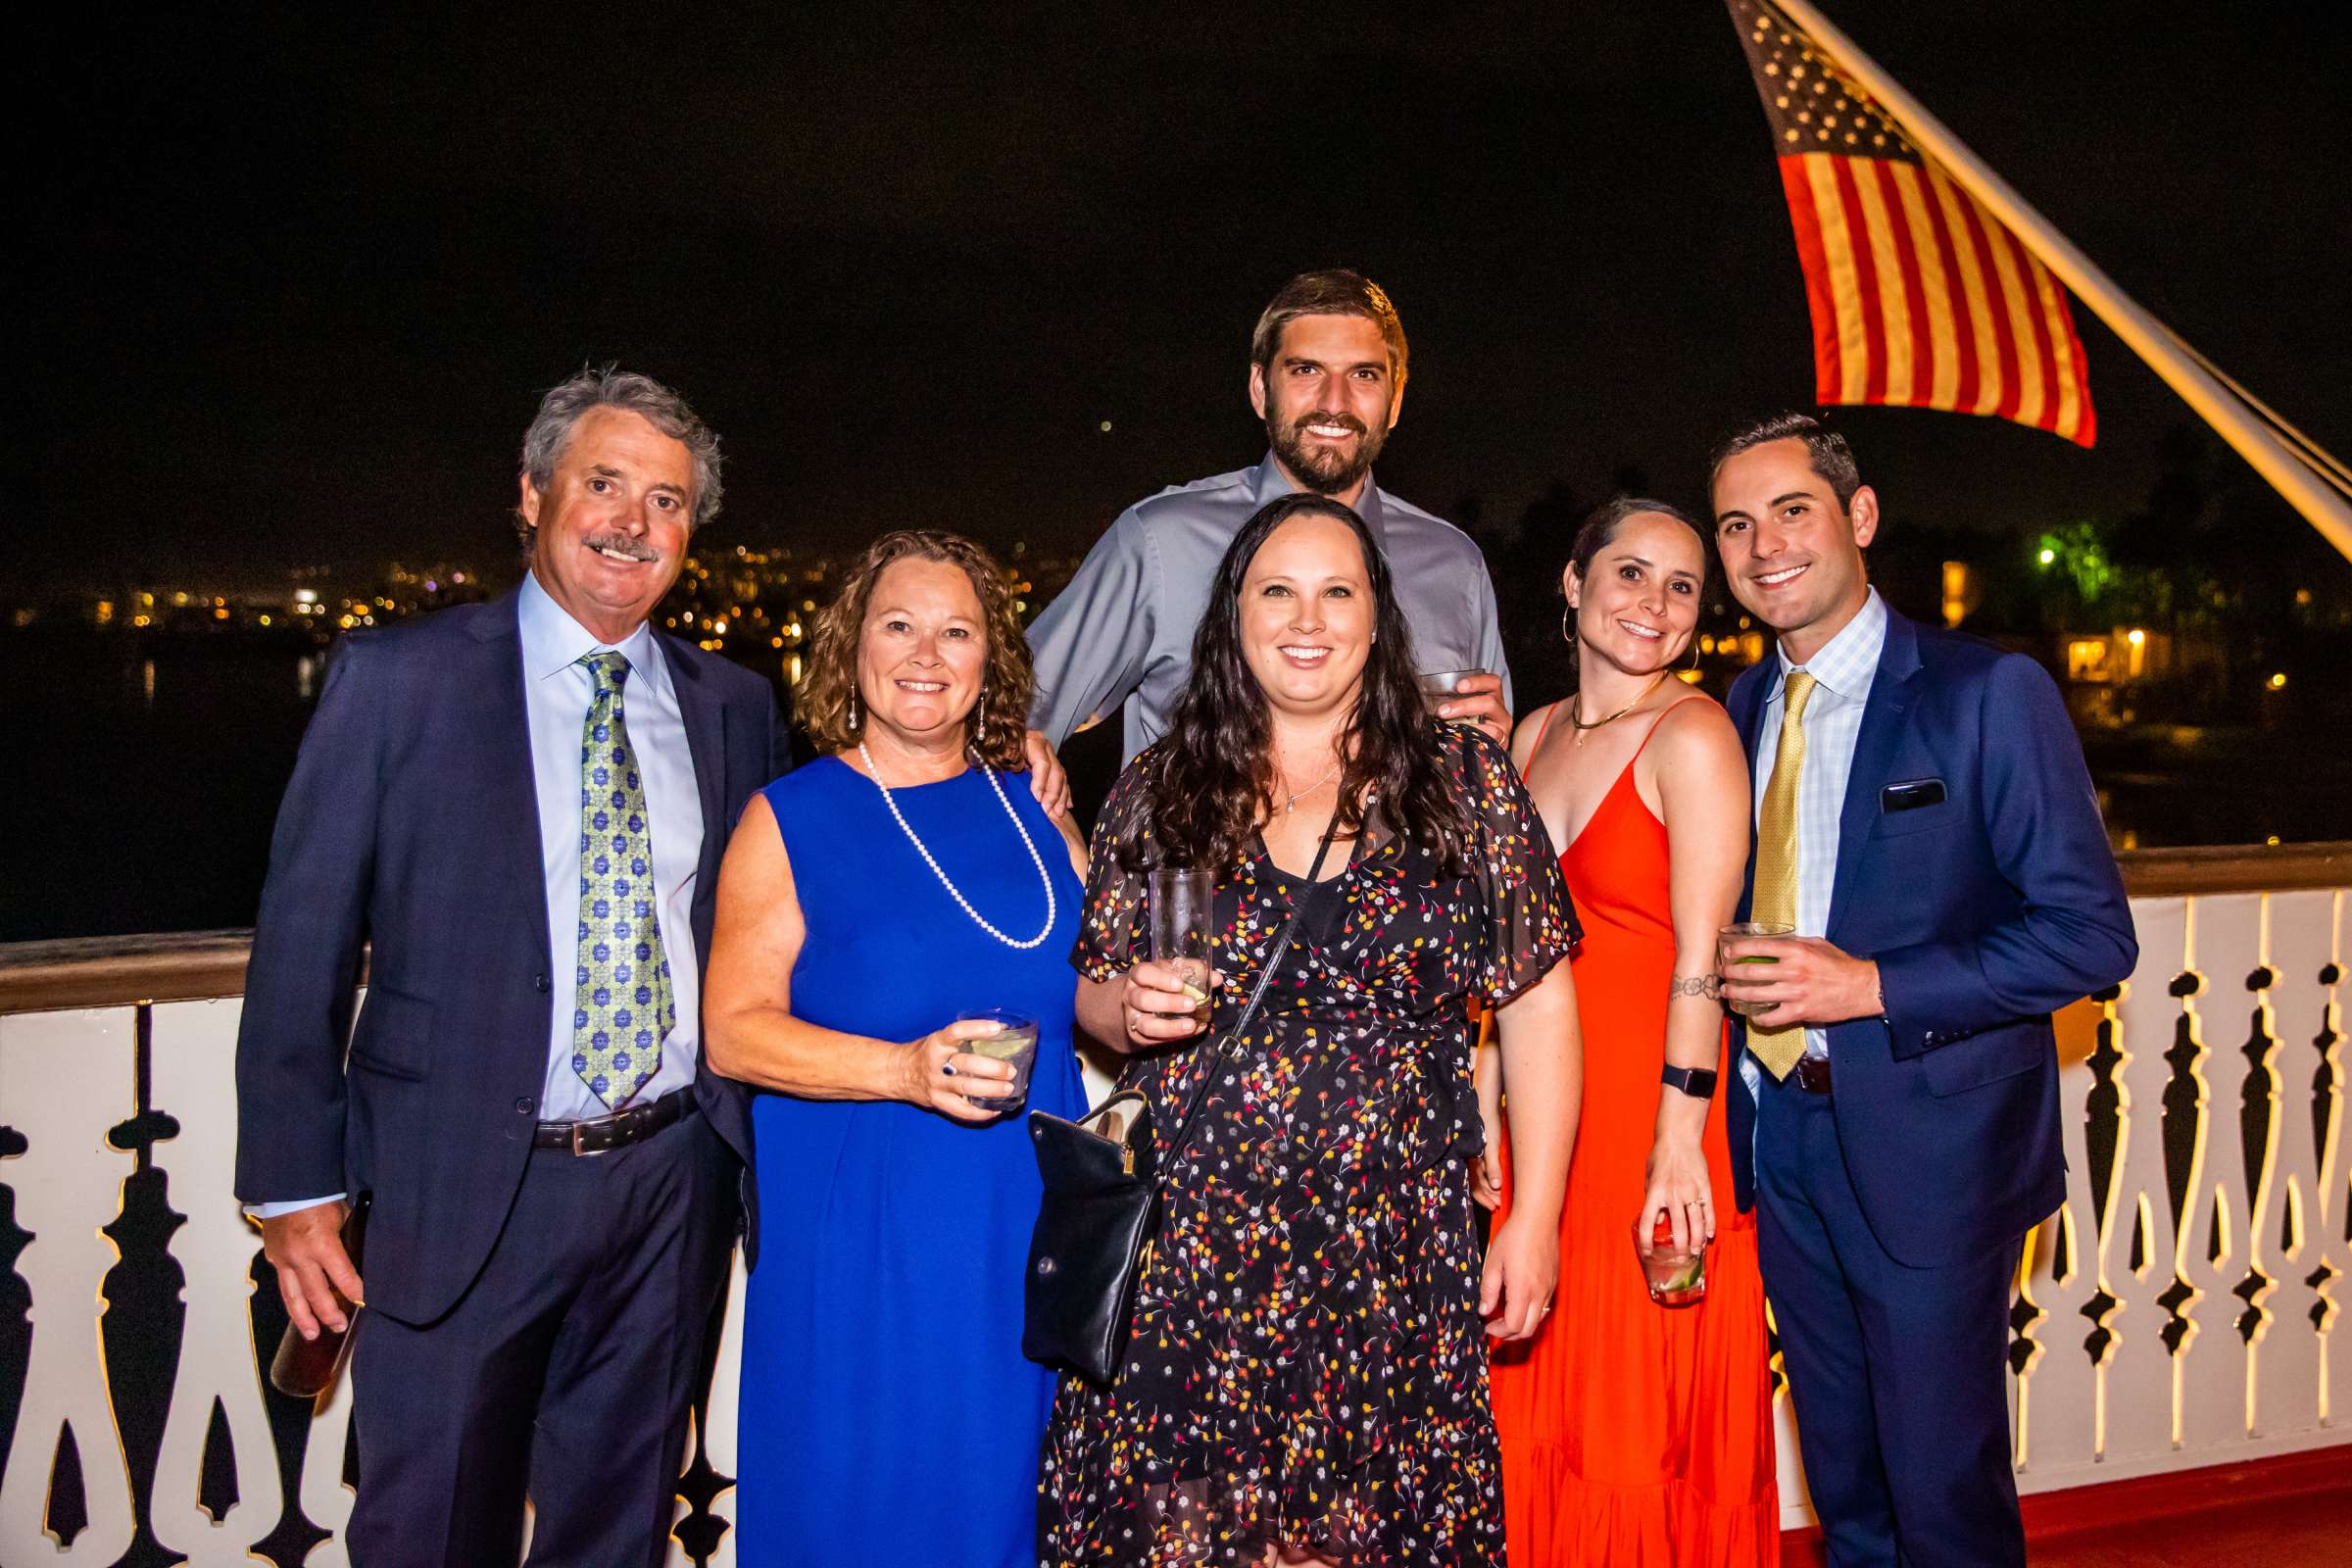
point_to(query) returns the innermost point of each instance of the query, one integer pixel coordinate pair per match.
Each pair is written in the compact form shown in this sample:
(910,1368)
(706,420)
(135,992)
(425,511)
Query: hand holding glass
(1725,963)
(1015,1041)
(1439,686)
(1675,1277)
(1183,922)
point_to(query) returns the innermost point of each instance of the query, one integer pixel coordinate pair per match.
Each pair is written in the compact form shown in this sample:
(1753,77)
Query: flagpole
(2141,332)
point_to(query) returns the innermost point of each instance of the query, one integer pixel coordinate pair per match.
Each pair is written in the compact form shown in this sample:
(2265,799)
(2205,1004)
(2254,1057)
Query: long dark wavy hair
(1212,775)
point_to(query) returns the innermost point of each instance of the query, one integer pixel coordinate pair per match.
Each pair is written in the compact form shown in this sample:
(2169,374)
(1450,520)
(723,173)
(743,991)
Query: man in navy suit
(1926,828)
(518,807)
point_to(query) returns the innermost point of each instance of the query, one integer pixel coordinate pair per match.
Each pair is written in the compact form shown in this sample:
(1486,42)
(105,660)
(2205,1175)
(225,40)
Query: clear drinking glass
(1440,685)
(1724,965)
(1016,1042)
(1674,1278)
(1182,911)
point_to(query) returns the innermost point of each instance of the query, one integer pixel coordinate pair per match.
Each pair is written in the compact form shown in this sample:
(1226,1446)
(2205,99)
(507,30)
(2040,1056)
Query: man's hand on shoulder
(1811,981)
(1046,781)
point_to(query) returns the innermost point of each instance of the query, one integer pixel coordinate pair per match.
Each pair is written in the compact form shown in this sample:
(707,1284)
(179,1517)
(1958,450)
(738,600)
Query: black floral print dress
(1307,1364)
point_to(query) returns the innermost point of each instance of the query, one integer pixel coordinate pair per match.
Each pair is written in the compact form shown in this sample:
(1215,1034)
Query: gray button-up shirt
(1123,630)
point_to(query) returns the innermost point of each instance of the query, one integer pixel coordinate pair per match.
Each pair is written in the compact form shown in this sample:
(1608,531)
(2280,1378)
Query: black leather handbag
(1102,1204)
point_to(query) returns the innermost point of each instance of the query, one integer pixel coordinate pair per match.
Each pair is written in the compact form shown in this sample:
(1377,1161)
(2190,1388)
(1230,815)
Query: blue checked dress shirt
(1843,672)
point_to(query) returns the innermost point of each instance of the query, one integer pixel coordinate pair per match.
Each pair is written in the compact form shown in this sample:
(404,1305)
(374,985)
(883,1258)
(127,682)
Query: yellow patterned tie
(1774,902)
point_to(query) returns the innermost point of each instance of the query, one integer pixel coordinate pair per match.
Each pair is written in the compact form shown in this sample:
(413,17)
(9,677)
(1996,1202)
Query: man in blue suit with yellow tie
(1927,830)
(520,807)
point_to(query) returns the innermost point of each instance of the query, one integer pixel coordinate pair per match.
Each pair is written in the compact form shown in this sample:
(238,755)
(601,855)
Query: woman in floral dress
(1305,1379)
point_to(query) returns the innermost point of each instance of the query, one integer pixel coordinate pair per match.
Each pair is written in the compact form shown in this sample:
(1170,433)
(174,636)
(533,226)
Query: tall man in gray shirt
(1327,376)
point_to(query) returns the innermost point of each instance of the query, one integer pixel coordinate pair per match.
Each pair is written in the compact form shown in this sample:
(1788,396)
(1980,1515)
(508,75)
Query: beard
(1323,469)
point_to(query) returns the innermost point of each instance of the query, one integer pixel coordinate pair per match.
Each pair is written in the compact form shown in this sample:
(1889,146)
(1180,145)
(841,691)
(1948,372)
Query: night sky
(293,278)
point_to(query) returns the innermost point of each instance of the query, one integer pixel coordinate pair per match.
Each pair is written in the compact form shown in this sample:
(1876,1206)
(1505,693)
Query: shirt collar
(1848,661)
(1270,483)
(552,642)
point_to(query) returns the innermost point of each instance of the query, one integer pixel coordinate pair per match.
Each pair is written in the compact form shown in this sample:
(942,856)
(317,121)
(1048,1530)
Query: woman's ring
(947,1069)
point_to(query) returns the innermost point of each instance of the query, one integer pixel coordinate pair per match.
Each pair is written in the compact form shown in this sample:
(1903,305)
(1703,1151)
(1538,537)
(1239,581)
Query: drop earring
(853,716)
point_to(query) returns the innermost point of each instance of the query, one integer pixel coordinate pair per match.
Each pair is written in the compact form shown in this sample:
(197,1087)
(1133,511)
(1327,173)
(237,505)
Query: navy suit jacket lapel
(1747,717)
(704,716)
(505,731)
(1882,732)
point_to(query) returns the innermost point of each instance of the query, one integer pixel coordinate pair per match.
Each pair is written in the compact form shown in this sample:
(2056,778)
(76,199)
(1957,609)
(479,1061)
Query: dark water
(150,783)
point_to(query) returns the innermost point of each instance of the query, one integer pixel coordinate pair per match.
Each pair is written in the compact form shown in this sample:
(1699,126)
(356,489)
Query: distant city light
(1106,428)
(2135,636)
(305,596)
(2047,556)
(2279,681)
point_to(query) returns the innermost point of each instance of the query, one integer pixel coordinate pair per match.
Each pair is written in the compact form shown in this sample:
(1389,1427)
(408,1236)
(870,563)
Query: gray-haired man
(1327,376)
(520,805)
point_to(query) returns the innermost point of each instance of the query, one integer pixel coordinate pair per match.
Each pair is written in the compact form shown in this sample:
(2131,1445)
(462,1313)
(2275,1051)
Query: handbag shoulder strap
(1257,993)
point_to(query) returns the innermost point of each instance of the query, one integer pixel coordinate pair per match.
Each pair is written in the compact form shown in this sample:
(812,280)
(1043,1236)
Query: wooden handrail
(2235,868)
(118,971)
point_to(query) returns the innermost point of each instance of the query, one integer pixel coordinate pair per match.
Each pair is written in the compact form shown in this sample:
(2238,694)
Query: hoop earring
(1694,649)
(1567,626)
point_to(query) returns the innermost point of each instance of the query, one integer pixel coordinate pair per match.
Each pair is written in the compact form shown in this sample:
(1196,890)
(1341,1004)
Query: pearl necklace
(954,892)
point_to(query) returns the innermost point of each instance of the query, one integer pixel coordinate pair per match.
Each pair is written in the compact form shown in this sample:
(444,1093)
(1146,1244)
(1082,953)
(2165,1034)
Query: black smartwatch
(1696,1081)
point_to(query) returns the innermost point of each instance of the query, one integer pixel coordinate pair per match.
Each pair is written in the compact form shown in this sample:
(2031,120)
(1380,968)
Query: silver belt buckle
(579,1149)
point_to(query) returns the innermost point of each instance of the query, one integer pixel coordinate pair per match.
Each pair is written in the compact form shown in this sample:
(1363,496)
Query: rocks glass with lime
(1725,963)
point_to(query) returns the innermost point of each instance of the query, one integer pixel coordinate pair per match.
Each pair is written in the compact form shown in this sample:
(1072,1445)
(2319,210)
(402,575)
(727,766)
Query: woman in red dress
(1635,1434)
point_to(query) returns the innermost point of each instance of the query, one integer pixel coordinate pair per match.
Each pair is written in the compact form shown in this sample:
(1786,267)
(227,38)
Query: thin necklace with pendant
(1290,802)
(1583,729)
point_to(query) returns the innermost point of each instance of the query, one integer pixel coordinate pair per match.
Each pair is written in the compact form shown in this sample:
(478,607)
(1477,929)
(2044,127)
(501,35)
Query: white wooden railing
(2179,1312)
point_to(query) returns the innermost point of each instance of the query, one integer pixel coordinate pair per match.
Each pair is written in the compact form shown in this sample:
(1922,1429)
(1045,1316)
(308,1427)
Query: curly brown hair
(999,723)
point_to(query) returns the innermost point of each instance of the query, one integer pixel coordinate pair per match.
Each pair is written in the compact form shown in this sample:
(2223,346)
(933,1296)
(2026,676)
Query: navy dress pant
(566,1370)
(1899,1375)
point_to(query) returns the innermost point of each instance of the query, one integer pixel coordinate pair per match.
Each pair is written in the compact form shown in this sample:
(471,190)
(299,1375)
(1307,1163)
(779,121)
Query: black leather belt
(600,1136)
(1811,1074)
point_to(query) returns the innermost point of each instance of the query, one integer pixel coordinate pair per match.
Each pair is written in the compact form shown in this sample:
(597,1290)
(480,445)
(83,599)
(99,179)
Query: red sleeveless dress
(1636,1435)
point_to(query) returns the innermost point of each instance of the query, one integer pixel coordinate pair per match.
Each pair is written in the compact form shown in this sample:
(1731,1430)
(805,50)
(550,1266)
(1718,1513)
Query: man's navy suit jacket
(1986,910)
(412,824)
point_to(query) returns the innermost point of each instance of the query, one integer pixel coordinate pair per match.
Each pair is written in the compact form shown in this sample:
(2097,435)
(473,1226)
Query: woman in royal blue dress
(868,899)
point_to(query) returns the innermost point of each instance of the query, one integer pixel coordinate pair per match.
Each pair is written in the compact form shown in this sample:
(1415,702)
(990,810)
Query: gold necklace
(1582,728)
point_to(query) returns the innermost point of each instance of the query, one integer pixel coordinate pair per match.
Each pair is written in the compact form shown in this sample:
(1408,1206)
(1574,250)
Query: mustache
(622,544)
(1345,421)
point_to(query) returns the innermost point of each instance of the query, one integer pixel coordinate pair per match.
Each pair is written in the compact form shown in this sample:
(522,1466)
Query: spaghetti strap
(1694,696)
(1544,729)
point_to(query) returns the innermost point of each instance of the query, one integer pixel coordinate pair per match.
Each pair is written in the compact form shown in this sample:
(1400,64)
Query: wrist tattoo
(1697,985)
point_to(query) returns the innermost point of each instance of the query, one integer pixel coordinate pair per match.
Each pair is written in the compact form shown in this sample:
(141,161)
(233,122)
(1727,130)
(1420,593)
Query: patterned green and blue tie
(623,1006)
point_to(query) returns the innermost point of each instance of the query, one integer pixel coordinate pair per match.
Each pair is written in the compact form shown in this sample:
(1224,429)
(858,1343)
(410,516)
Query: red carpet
(2294,1511)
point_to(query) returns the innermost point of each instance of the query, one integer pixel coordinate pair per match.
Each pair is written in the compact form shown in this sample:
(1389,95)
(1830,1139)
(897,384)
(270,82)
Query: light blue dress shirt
(1843,672)
(557,693)
(1122,631)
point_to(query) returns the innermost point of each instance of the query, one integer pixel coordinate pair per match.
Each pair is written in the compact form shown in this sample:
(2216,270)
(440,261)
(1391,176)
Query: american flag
(1920,297)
